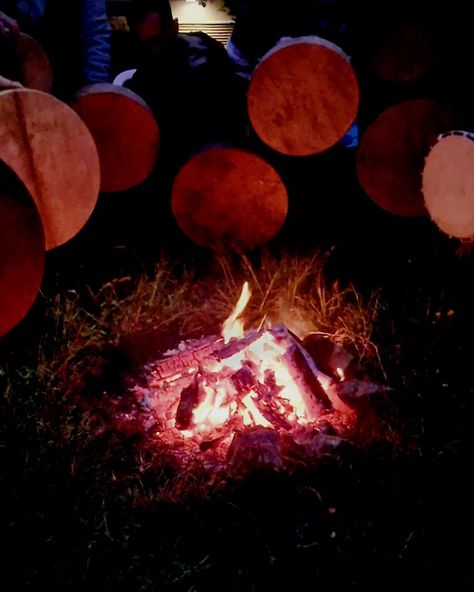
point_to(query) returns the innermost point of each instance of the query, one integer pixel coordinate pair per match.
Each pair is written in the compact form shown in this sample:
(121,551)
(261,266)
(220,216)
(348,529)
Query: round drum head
(391,154)
(231,198)
(303,97)
(406,55)
(33,64)
(448,184)
(51,150)
(125,132)
(22,251)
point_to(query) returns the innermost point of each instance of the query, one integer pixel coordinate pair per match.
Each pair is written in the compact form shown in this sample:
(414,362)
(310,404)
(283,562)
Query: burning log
(225,197)
(357,392)
(125,132)
(244,379)
(263,378)
(188,401)
(392,151)
(172,368)
(330,358)
(311,375)
(21,251)
(273,414)
(303,96)
(52,152)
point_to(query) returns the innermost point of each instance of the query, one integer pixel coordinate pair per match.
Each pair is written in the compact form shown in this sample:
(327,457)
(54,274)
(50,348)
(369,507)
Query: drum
(407,54)
(24,60)
(226,197)
(391,154)
(303,96)
(22,250)
(448,184)
(125,132)
(51,150)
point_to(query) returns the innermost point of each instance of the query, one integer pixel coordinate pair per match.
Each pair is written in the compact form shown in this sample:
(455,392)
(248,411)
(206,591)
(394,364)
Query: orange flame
(223,401)
(233,326)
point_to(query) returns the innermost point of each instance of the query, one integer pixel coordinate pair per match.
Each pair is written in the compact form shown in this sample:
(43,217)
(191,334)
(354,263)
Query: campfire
(248,396)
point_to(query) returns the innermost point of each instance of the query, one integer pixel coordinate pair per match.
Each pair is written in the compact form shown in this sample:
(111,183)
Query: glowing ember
(251,414)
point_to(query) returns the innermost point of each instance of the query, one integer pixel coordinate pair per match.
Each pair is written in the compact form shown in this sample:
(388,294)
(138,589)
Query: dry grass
(65,397)
(294,291)
(175,304)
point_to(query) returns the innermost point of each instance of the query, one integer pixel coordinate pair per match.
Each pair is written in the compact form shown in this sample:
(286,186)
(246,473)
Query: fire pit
(254,397)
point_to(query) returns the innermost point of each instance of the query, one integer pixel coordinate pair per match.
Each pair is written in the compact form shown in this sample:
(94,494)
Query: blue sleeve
(95,39)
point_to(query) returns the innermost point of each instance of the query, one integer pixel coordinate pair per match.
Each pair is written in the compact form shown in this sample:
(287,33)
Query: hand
(7,84)
(8,26)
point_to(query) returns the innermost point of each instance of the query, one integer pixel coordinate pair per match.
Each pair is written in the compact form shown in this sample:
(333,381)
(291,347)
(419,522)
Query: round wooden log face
(125,132)
(303,97)
(391,154)
(51,150)
(448,184)
(22,250)
(406,55)
(228,197)
(33,64)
